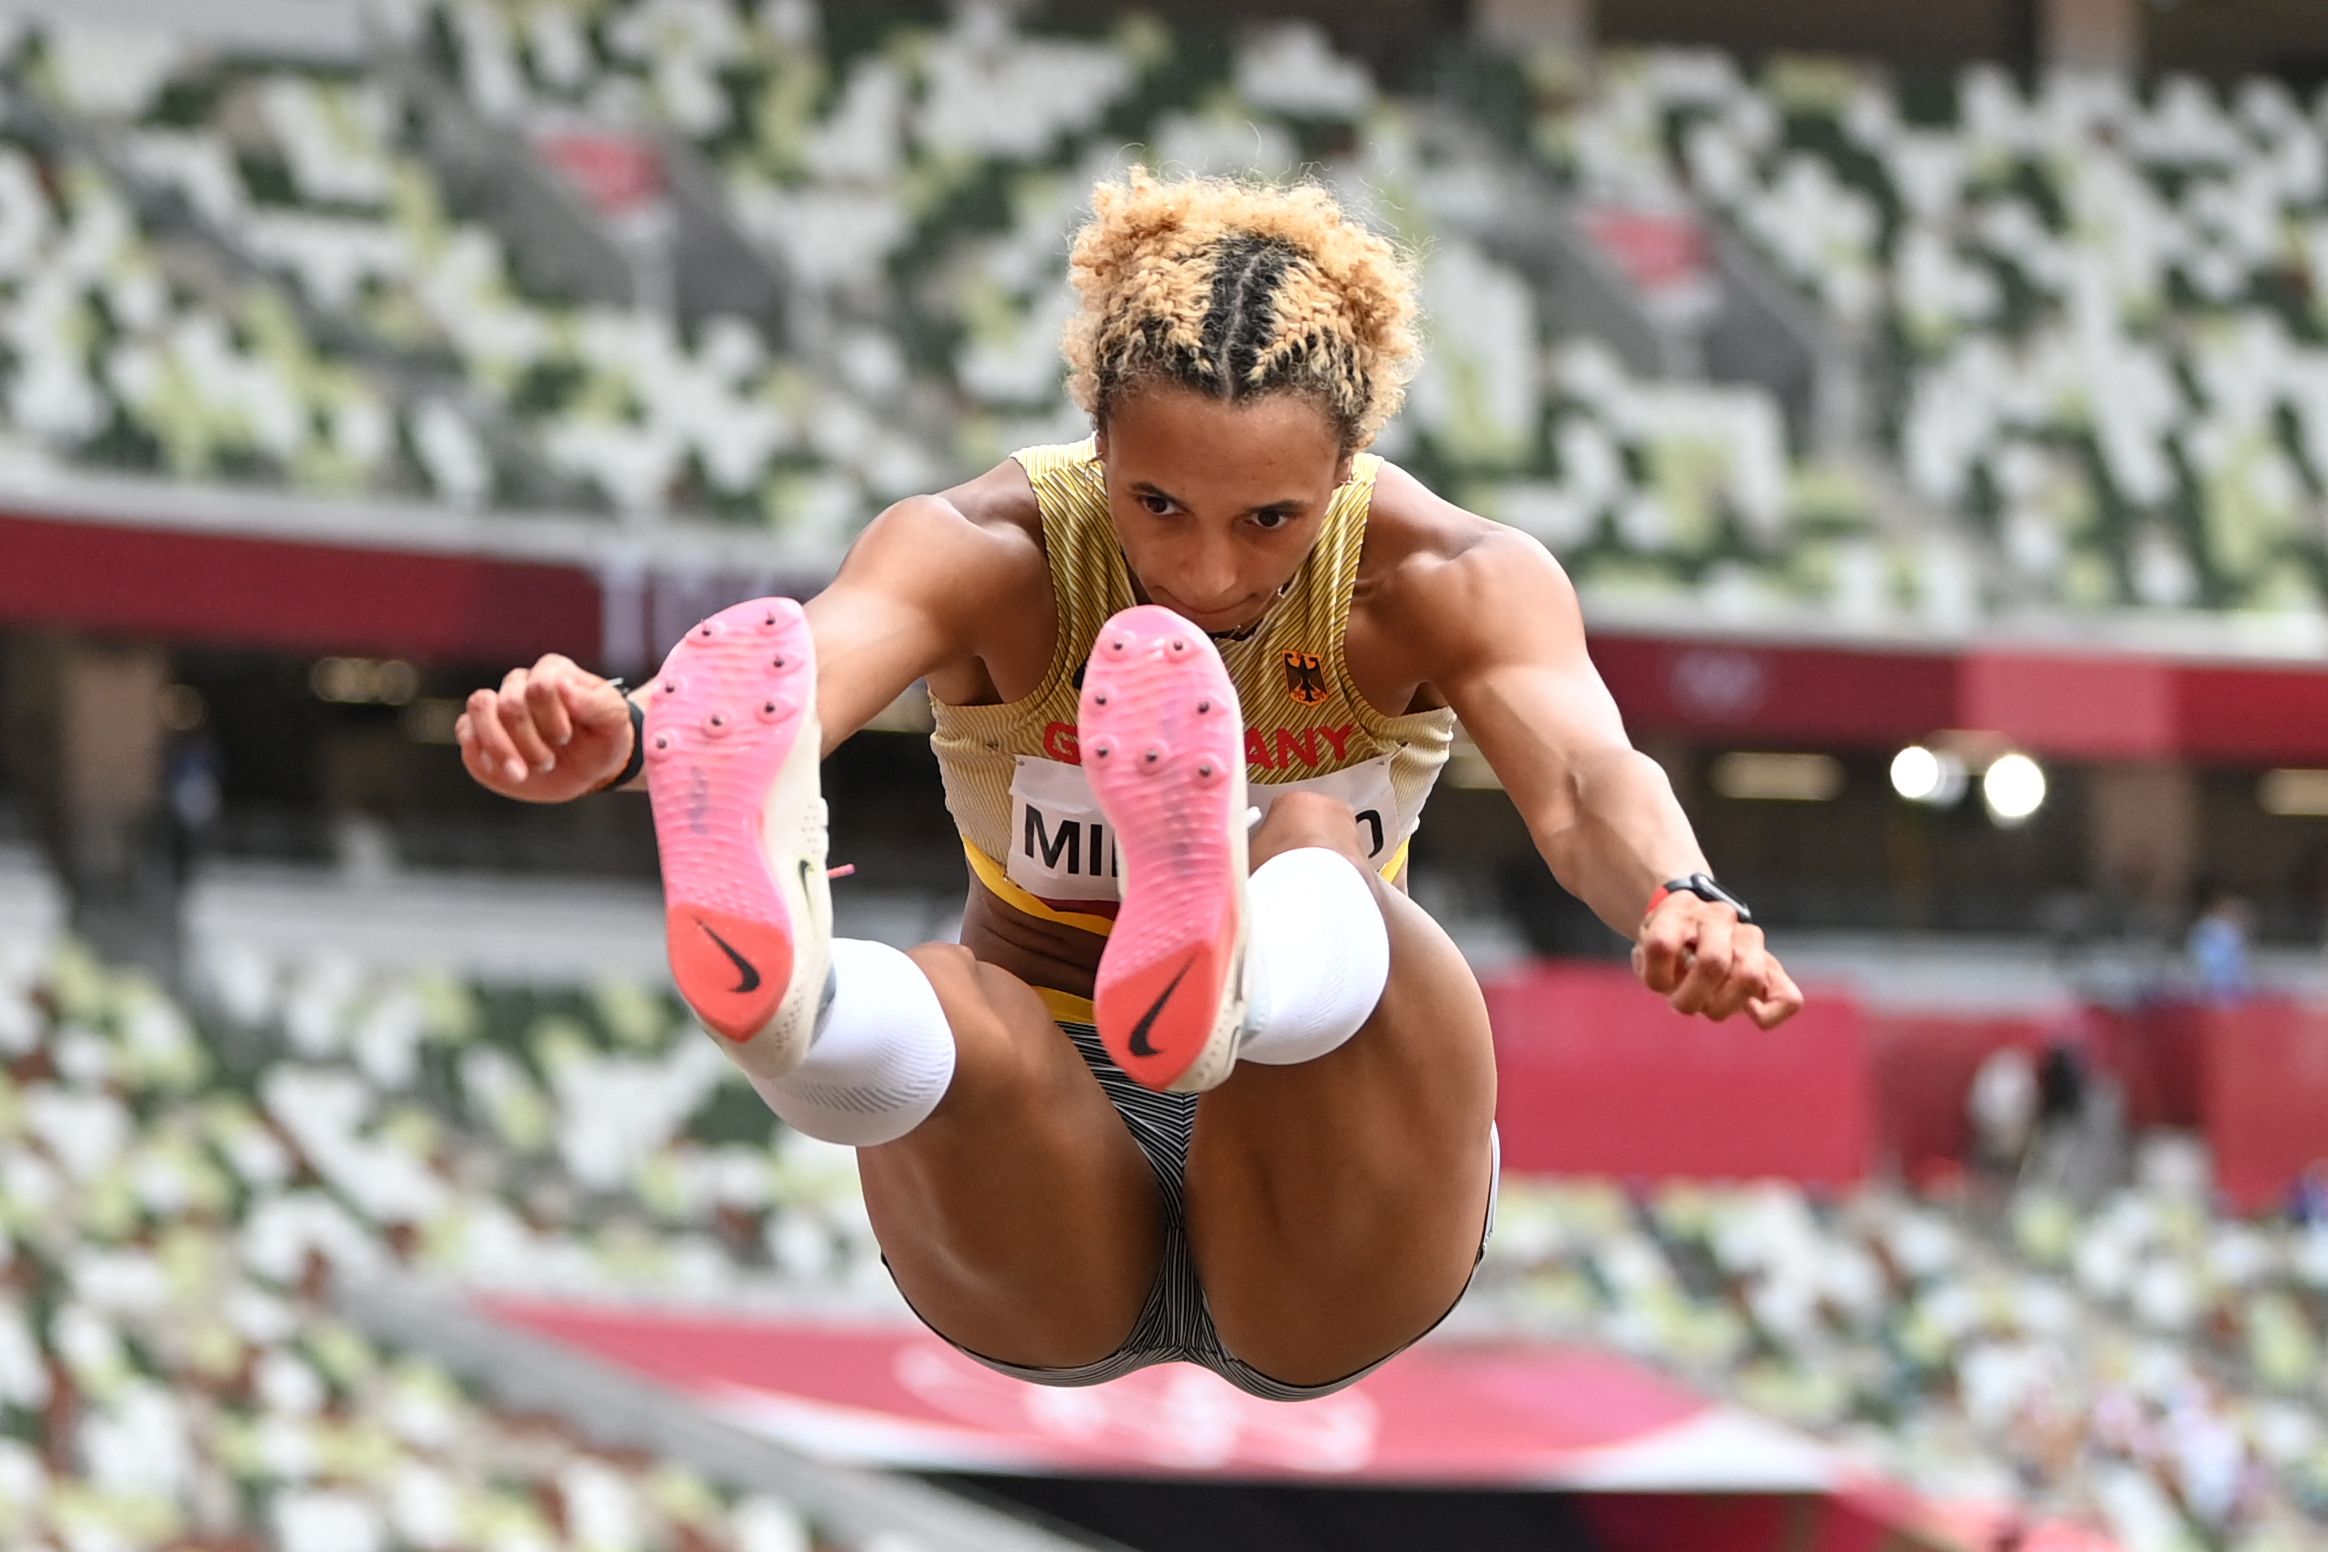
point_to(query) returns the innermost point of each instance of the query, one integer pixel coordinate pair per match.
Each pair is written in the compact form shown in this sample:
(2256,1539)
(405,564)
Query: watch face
(1703,886)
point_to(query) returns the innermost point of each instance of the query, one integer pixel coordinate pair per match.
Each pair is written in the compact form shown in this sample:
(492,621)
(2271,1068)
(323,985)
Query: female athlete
(1191,1087)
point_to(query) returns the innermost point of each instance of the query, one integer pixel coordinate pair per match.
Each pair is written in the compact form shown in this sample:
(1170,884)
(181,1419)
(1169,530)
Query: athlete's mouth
(1208,619)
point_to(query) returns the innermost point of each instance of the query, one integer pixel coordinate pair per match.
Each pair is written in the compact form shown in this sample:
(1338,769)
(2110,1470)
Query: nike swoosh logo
(1140,1046)
(750,973)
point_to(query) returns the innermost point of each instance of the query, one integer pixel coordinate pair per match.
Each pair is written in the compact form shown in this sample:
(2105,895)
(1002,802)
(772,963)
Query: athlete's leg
(1335,1205)
(1020,1219)
(1019,1215)
(1339,1174)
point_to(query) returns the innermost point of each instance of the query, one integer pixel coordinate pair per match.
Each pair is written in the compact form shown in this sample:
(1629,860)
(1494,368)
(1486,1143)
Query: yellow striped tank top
(1014,783)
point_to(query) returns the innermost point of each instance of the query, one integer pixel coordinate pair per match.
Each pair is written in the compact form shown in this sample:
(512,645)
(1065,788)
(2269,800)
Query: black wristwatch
(1703,886)
(638,750)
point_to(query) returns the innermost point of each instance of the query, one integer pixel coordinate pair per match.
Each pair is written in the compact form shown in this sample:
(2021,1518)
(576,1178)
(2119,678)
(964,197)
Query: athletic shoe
(733,755)
(1164,747)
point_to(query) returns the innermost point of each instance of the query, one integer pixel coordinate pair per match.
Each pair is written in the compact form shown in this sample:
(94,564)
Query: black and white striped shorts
(1176,1326)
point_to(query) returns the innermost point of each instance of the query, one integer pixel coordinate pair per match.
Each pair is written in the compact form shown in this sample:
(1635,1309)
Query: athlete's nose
(1212,582)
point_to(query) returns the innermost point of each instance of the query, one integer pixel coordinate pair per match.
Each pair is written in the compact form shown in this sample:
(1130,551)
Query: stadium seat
(2093,314)
(175,1206)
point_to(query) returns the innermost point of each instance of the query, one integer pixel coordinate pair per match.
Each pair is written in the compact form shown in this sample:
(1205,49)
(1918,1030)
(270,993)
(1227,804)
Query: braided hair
(1237,289)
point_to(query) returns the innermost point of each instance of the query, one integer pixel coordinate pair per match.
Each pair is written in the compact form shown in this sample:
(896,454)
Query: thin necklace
(1246,632)
(1242,632)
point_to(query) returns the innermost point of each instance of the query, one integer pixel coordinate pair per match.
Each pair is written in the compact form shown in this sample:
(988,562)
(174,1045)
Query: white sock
(883,1056)
(1317,956)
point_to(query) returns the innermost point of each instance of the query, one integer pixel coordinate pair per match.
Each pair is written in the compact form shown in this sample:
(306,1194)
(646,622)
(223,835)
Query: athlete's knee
(952,971)
(1308,819)
(997,1018)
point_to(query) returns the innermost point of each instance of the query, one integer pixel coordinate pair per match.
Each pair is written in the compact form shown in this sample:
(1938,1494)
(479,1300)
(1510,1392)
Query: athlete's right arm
(923,587)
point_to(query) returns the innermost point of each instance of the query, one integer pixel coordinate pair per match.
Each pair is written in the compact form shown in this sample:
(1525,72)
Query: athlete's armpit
(922,591)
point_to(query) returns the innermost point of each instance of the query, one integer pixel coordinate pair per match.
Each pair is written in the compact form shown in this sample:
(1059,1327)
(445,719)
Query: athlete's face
(1217,504)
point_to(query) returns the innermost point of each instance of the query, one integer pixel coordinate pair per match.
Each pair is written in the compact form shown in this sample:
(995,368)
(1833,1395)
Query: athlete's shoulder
(1000,504)
(1429,563)
(984,533)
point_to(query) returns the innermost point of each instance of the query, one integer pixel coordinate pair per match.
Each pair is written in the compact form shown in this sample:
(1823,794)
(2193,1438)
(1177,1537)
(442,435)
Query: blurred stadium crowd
(177,1198)
(2098,307)
(182,1189)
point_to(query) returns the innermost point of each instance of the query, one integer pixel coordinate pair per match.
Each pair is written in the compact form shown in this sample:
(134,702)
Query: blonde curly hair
(1237,289)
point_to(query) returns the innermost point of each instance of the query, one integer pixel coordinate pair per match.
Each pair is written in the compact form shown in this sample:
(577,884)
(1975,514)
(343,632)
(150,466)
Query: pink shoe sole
(1164,748)
(733,750)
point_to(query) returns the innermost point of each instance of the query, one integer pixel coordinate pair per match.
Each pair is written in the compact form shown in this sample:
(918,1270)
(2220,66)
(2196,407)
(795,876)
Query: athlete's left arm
(1503,641)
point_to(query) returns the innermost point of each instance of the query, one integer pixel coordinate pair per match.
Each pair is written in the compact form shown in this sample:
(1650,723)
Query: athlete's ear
(1343,469)
(1099,442)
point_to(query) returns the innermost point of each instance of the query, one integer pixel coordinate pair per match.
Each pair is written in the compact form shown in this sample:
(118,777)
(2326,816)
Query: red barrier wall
(1856,1517)
(1599,1077)
(2156,1052)
(1925,1063)
(297,595)
(2263,1086)
(1924,1066)
(2254,1078)
(1720,1522)
(2080,706)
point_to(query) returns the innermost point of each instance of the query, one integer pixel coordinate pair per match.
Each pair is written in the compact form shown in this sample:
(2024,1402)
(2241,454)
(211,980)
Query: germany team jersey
(1014,784)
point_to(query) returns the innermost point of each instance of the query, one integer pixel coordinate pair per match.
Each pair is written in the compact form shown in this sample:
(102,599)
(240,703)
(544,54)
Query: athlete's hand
(551,733)
(1702,959)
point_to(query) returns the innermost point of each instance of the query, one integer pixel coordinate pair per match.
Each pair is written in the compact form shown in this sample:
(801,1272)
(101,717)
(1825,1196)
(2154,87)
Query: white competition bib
(1062,848)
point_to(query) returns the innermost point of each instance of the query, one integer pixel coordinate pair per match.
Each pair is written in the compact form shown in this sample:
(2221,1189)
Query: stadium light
(1915,773)
(2014,788)
(2293,793)
(1931,776)
(1778,778)
(360,681)
(432,720)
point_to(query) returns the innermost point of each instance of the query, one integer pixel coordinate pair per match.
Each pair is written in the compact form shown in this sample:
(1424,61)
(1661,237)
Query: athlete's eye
(1270,519)
(1155,505)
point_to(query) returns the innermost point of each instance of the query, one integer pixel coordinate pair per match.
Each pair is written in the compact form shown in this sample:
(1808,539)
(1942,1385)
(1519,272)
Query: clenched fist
(551,733)
(1703,960)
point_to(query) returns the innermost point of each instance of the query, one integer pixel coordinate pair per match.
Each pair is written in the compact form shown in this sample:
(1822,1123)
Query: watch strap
(638,750)
(1703,886)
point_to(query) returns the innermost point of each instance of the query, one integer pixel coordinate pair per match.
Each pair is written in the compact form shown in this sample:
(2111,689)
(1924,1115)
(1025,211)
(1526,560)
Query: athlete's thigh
(1421,1068)
(1335,1207)
(1433,1016)
(1020,1220)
